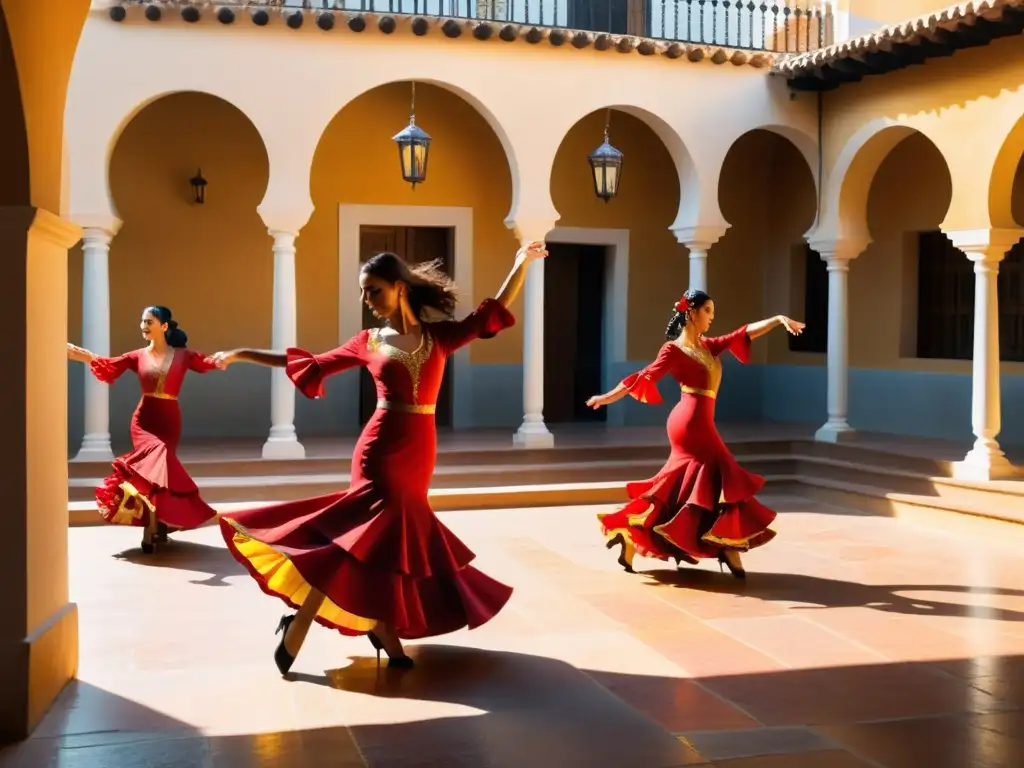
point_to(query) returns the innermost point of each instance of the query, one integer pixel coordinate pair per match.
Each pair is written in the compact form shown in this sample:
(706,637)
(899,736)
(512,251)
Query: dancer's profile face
(151,326)
(703,316)
(379,295)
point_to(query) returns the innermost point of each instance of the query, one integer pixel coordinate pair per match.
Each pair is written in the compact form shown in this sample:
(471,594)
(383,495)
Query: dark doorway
(415,245)
(574,278)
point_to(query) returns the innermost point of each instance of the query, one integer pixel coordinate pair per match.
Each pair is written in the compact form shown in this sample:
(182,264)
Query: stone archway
(458,214)
(603,292)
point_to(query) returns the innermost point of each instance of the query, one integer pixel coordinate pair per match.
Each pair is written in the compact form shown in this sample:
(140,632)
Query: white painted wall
(530,94)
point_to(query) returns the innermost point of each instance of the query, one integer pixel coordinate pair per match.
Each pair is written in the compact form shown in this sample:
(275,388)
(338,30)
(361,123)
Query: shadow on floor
(525,710)
(183,555)
(813,593)
(534,711)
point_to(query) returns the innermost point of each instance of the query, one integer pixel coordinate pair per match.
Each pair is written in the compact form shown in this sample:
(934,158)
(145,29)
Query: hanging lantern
(198,187)
(606,165)
(413,148)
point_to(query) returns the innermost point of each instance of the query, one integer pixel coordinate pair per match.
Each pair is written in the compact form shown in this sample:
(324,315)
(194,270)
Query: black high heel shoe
(738,573)
(150,537)
(160,537)
(282,658)
(399,662)
(627,566)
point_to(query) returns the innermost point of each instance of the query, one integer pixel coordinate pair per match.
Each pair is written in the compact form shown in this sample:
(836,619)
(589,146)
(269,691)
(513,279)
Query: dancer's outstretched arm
(80,355)
(642,385)
(514,282)
(761,327)
(258,356)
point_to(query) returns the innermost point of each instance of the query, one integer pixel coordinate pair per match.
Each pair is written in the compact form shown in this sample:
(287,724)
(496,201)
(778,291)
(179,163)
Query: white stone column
(283,442)
(698,240)
(96,337)
(837,255)
(533,433)
(985,248)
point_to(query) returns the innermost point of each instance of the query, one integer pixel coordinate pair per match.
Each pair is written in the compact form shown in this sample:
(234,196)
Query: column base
(835,432)
(533,434)
(95,448)
(283,444)
(35,670)
(984,463)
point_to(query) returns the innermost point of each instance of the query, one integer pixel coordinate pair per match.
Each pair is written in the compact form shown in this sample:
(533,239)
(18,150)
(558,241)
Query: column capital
(103,222)
(285,219)
(529,229)
(700,237)
(39,222)
(984,245)
(284,237)
(835,251)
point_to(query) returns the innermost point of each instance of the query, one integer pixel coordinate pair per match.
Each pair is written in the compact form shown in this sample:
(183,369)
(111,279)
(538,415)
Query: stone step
(856,477)
(83,513)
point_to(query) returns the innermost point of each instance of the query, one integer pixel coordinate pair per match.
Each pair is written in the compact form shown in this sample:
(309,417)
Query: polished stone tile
(853,639)
(948,742)
(758,742)
(828,759)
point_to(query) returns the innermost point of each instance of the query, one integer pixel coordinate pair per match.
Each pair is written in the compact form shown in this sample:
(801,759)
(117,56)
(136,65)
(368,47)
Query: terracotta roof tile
(913,31)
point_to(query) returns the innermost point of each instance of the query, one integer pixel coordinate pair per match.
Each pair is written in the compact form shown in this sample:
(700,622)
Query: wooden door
(415,245)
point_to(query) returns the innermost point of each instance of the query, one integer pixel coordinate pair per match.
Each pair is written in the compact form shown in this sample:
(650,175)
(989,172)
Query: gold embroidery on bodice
(413,361)
(710,363)
(160,373)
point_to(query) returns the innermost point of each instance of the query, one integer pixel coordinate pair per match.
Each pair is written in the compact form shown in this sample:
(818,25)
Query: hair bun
(172,324)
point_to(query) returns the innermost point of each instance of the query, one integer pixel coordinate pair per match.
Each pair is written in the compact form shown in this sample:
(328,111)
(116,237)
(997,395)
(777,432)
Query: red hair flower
(682,305)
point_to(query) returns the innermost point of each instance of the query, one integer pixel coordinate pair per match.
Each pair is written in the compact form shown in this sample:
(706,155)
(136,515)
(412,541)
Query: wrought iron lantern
(198,187)
(413,148)
(606,165)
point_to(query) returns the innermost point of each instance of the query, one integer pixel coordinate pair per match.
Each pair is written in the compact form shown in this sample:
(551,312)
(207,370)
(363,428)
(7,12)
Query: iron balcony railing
(760,25)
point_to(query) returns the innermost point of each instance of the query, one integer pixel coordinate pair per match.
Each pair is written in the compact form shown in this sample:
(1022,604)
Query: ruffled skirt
(150,480)
(377,552)
(701,502)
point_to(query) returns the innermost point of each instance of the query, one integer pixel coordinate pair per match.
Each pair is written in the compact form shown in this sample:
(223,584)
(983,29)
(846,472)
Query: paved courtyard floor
(855,641)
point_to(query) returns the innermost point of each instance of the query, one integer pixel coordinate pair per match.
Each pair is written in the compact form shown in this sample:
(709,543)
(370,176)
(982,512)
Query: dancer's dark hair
(693,299)
(428,285)
(174,335)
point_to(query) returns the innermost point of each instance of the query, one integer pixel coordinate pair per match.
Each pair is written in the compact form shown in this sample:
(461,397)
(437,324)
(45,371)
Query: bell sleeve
(737,342)
(308,371)
(200,363)
(109,369)
(642,385)
(485,322)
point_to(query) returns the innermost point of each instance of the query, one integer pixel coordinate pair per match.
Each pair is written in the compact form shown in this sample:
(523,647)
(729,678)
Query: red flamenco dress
(377,551)
(702,501)
(150,480)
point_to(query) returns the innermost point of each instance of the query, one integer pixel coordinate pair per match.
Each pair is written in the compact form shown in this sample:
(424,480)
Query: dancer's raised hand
(532,252)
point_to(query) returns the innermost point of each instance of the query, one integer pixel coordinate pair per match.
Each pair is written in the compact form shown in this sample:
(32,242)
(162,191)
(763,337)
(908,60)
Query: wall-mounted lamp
(198,187)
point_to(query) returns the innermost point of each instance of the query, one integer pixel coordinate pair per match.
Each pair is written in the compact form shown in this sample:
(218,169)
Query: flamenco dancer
(149,487)
(375,559)
(701,504)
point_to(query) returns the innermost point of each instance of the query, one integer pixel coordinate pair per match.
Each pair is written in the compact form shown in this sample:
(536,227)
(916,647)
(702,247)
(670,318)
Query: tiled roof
(938,33)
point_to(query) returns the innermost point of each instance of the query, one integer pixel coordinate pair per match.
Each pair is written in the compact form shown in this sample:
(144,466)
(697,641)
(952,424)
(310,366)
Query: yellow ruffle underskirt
(283,579)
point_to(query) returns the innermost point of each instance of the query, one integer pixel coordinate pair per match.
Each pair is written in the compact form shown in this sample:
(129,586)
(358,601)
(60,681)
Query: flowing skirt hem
(693,510)
(128,498)
(417,607)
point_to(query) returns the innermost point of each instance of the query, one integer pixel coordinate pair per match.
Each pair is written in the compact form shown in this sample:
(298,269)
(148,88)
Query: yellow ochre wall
(963,104)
